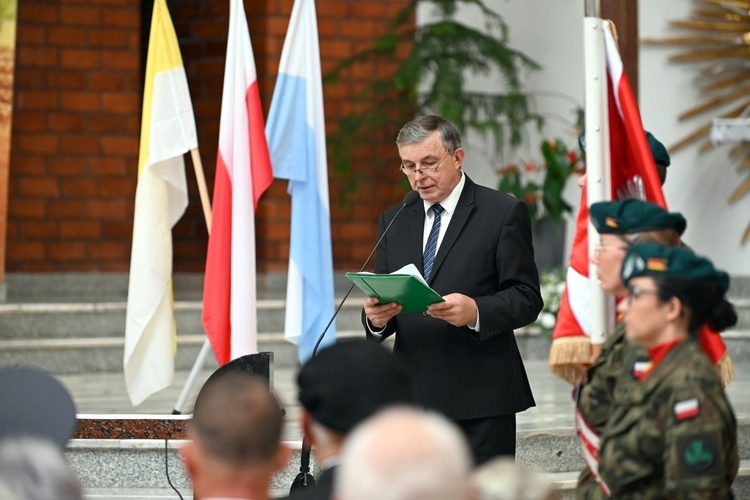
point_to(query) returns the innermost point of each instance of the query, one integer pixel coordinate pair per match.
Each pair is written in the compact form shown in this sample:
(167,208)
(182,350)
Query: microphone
(411,198)
(304,479)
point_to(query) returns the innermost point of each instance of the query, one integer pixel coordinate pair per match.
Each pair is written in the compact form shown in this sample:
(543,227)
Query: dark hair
(703,303)
(237,418)
(418,129)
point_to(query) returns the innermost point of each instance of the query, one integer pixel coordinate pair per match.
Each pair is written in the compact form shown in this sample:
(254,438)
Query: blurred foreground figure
(503,479)
(340,387)
(33,468)
(405,454)
(236,438)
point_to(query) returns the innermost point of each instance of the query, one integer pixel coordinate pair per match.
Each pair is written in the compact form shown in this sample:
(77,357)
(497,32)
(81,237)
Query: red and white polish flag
(243,173)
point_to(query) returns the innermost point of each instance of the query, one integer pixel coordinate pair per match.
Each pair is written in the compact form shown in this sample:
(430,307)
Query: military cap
(350,381)
(658,150)
(652,259)
(633,216)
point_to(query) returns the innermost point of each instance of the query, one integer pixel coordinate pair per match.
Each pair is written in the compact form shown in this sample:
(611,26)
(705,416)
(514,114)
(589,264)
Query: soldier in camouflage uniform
(620,224)
(674,434)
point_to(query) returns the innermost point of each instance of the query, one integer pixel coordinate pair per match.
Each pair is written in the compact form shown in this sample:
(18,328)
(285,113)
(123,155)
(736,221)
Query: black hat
(633,216)
(35,404)
(350,381)
(652,259)
(658,150)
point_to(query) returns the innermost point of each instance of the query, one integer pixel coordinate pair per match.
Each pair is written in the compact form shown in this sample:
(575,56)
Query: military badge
(689,408)
(656,264)
(698,455)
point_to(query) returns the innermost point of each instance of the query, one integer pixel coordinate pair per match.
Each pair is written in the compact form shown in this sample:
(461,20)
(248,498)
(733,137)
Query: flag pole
(597,155)
(200,361)
(202,189)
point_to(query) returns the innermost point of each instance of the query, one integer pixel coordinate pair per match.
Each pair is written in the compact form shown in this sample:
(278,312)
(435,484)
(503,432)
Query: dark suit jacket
(486,254)
(322,490)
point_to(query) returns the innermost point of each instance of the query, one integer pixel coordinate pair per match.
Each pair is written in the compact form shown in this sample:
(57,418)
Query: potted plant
(541,183)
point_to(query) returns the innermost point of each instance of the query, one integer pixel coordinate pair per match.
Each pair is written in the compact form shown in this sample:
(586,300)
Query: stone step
(107,319)
(69,356)
(75,355)
(102,463)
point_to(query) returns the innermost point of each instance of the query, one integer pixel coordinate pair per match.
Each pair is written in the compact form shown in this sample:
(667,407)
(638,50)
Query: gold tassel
(725,369)
(569,357)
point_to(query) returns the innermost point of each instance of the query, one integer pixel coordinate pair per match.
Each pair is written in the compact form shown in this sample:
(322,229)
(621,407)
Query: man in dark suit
(480,258)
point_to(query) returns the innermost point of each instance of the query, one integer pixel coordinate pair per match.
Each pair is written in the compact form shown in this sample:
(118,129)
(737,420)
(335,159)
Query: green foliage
(430,79)
(541,185)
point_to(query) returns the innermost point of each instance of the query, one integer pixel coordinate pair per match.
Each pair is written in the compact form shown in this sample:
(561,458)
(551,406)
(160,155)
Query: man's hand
(458,310)
(380,315)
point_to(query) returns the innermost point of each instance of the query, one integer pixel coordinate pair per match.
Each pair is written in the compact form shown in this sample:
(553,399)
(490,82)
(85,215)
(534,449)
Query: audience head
(672,285)
(33,468)
(345,384)
(236,437)
(35,404)
(504,479)
(404,454)
(621,224)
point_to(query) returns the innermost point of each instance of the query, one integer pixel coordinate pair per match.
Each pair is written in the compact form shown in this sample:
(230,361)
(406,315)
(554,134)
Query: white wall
(698,185)
(550,32)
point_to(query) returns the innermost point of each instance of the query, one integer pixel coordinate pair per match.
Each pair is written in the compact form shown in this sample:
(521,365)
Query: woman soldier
(620,225)
(672,435)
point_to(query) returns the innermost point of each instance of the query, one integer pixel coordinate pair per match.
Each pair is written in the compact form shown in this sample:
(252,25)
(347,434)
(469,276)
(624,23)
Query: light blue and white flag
(296,138)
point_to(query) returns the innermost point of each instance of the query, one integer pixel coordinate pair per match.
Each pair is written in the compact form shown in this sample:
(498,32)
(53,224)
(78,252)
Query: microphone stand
(304,479)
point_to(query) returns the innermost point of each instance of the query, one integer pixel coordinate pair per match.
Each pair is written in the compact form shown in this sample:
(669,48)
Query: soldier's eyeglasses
(635,291)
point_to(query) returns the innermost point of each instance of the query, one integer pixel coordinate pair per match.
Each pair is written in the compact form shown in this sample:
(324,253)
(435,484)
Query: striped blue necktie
(428,257)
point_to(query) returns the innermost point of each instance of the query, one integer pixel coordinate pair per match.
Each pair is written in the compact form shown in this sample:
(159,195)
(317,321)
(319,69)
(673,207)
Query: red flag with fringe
(633,175)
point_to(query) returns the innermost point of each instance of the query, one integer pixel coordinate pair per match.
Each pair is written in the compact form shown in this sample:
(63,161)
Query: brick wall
(76,122)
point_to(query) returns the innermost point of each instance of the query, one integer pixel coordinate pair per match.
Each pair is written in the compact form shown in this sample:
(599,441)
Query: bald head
(404,454)
(237,419)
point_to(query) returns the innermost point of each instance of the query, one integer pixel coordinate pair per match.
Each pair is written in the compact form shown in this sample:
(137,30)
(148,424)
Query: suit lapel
(416,233)
(458,220)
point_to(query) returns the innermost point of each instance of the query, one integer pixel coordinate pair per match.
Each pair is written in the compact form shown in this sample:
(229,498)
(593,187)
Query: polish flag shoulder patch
(641,367)
(689,408)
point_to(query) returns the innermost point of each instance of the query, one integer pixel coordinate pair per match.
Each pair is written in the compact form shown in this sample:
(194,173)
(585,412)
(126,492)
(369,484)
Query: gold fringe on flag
(725,369)
(569,357)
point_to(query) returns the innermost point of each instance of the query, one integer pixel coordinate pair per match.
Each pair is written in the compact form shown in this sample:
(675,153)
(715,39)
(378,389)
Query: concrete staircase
(72,325)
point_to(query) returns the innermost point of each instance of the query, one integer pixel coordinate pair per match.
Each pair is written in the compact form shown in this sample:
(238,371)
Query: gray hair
(418,129)
(35,469)
(404,454)
(503,479)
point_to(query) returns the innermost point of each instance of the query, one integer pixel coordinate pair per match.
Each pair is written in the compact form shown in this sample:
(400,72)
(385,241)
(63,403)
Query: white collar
(450,202)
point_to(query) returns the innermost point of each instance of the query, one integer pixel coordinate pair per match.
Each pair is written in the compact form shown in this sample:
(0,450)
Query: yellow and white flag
(167,132)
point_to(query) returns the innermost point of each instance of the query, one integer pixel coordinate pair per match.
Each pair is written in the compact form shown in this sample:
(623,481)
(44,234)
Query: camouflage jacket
(674,435)
(595,394)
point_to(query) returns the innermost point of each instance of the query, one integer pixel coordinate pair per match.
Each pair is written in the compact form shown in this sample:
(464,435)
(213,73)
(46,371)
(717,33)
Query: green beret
(351,380)
(658,151)
(652,259)
(633,216)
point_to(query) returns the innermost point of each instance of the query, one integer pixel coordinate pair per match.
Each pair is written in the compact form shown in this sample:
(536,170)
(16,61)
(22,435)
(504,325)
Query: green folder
(405,289)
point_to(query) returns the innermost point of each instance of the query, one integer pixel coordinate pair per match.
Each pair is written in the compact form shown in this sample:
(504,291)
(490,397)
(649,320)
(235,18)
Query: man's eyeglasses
(635,291)
(410,170)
